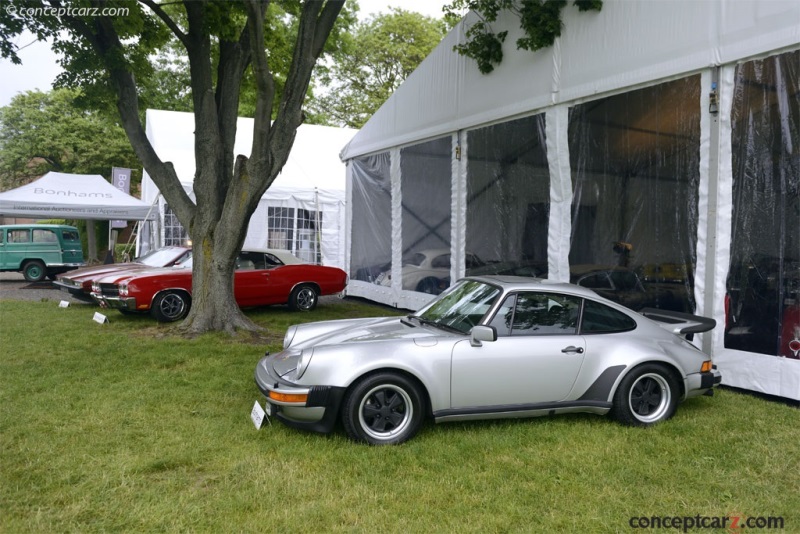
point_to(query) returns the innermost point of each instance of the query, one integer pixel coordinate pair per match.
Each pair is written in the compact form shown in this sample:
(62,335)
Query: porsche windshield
(462,306)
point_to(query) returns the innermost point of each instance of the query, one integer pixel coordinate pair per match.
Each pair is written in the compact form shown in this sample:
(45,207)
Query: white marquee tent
(58,195)
(303,210)
(659,136)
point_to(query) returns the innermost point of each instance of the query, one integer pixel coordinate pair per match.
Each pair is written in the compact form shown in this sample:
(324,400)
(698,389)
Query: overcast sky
(39,67)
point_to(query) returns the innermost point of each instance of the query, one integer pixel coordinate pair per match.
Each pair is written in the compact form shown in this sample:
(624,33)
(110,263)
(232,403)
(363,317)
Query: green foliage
(485,47)
(540,21)
(41,132)
(110,57)
(124,252)
(381,52)
(124,427)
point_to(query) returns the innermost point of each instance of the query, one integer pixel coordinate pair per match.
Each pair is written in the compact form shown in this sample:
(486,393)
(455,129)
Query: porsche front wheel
(647,395)
(383,409)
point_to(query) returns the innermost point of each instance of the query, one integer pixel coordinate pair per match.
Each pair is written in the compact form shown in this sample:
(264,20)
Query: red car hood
(98,271)
(127,276)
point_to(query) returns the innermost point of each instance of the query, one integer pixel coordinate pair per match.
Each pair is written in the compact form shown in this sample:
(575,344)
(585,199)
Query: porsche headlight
(302,364)
(291,364)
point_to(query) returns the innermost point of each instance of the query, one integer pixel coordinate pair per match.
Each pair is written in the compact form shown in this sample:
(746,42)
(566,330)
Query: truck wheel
(34,271)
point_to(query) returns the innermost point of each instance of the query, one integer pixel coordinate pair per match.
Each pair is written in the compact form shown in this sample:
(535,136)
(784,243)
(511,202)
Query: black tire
(303,298)
(383,409)
(429,285)
(646,396)
(34,271)
(170,306)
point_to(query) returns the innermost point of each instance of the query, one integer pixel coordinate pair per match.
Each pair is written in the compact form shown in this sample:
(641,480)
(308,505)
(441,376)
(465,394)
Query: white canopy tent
(641,126)
(304,209)
(72,196)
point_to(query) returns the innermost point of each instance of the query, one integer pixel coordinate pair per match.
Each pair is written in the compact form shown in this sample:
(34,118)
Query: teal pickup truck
(39,250)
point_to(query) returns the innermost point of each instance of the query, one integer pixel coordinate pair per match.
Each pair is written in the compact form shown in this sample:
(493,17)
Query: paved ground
(14,286)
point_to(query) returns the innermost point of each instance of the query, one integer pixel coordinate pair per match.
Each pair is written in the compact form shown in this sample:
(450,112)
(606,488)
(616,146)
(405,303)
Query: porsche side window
(599,318)
(536,314)
(504,316)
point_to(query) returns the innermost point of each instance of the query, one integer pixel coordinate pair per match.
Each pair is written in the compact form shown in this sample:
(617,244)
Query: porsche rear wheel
(383,409)
(170,306)
(646,396)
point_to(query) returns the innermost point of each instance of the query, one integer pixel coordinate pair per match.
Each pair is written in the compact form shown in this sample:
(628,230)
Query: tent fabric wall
(648,47)
(313,178)
(72,196)
(624,45)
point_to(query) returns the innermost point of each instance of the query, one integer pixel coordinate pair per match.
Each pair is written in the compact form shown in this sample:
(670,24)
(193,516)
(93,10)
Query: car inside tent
(652,153)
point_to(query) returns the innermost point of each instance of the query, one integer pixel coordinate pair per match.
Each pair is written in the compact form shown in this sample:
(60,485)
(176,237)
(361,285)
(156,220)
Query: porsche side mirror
(482,333)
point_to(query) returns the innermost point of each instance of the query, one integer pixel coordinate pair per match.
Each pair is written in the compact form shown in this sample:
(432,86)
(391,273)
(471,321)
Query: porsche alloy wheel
(170,306)
(303,298)
(648,395)
(383,409)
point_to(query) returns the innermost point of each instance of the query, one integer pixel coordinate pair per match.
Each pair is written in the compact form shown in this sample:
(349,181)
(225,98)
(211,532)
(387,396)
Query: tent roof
(625,45)
(313,163)
(72,196)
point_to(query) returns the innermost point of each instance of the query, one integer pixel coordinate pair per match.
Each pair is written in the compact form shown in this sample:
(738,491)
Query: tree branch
(176,30)
(265,84)
(311,36)
(103,37)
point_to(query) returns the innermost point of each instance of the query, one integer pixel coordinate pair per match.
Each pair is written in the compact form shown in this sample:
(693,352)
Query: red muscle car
(78,283)
(262,277)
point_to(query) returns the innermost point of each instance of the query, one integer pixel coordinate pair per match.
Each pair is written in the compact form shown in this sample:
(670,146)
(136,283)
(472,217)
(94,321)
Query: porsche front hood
(329,333)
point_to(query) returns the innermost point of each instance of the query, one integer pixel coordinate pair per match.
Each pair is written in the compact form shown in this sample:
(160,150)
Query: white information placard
(257,414)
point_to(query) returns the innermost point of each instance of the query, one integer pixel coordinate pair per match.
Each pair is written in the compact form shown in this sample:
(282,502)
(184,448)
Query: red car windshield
(161,257)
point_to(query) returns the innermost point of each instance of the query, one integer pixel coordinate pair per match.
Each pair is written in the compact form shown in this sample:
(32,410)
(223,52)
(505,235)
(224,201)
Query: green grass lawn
(123,427)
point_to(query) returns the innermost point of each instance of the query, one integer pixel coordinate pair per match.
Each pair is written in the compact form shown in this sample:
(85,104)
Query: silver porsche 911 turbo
(488,347)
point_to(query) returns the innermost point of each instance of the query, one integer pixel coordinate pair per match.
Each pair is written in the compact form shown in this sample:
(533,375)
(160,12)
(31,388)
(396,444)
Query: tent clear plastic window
(371,244)
(763,285)
(508,199)
(175,235)
(635,171)
(280,228)
(426,187)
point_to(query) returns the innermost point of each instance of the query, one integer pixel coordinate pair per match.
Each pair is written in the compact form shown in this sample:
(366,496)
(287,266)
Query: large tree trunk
(226,194)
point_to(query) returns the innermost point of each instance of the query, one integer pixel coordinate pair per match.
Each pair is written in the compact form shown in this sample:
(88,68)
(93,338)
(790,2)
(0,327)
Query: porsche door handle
(570,349)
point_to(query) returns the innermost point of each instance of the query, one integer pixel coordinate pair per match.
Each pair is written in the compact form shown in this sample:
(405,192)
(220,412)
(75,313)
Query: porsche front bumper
(317,413)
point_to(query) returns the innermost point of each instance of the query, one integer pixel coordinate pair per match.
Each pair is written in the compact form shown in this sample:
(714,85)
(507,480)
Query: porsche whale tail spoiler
(680,323)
